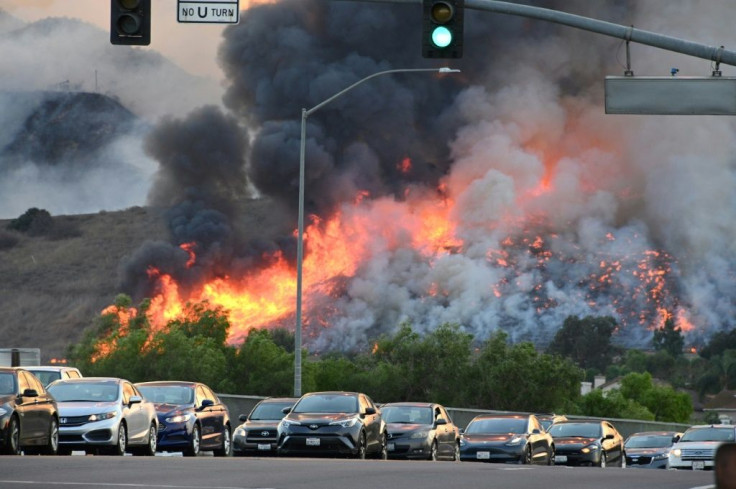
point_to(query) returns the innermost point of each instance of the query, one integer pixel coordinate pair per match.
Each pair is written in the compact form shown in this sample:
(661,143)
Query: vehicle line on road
(114,484)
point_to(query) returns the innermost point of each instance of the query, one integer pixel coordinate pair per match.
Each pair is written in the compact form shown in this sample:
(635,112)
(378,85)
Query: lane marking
(114,484)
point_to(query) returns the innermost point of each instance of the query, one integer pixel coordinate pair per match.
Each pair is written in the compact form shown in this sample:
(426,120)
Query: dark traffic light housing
(130,22)
(442,28)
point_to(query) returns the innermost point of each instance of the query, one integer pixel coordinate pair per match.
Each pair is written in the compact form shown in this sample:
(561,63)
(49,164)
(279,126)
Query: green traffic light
(441,37)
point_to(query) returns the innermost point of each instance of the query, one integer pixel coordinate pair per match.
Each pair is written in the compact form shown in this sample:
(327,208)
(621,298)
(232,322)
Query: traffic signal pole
(716,54)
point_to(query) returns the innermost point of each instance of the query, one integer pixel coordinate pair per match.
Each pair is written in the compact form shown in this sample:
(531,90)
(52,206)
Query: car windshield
(7,383)
(583,430)
(407,414)
(269,411)
(45,376)
(167,394)
(497,426)
(546,423)
(329,403)
(84,391)
(709,434)
(649,441)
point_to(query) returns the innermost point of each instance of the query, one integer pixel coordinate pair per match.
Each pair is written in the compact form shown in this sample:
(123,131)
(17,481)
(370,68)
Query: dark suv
(333,423)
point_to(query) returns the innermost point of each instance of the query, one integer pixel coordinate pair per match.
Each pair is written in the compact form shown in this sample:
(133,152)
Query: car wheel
(602,463)
(193,449)
(360,453)
(53,446)
(12,445)
(551,456)
(433,451)
(226,449)
(456,455)
(383,453)
(150,449)
(526,459)
(122,443)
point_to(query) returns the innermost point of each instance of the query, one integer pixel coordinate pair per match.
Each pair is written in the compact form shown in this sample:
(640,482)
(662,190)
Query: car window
(210,395)
(7,383)
(46,377)
(167,394)
(649,441)
(497,426)
(708,434)
(269,411)
(327,403)
(23,382)
(534,422)
(407,414)
(70,391)
(200,395)
(36,384)
(128,392)
(73,374)
(582,430)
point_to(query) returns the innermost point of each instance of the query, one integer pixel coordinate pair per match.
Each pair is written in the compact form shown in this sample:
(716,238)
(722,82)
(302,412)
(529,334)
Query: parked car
(547,420)
(333,423)
(595,443)
(191,418)
(696,449)
(29,416)
(517,438)
(49,373)
(420,430)
(650,449)
(258,432)
(104,415)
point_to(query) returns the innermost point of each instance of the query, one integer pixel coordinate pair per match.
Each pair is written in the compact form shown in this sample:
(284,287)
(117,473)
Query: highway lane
(85,472)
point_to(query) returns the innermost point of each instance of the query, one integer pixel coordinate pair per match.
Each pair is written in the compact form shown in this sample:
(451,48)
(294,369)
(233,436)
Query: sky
(191,46)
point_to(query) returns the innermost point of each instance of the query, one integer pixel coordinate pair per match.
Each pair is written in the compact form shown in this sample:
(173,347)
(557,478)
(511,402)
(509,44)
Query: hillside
(51,287)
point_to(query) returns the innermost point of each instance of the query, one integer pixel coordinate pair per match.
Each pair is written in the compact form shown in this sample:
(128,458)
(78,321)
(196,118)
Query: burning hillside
(501,199)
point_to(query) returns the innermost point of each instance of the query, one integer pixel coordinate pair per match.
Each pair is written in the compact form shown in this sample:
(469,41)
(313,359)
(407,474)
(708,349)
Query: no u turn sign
(208,11)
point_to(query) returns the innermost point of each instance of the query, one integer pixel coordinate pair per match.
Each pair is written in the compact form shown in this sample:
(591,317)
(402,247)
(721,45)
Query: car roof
(502,415)
(155,383)
(331,393)
(91,380)
(409,404)
(278,399)
(655,433)
(50,368)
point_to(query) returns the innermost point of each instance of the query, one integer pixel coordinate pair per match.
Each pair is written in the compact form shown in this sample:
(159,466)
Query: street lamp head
(445,69)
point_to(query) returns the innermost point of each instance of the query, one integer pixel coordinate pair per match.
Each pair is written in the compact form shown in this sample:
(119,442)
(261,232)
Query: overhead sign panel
(208,11)
(670,95)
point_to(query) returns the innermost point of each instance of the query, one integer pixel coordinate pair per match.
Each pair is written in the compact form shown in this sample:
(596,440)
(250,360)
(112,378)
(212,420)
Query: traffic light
(130,22)
(442,28)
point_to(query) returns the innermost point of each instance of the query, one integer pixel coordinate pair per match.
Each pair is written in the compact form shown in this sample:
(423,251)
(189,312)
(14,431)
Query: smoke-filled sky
(552,207)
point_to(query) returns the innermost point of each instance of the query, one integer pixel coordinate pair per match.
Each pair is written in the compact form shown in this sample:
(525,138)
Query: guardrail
(238,405)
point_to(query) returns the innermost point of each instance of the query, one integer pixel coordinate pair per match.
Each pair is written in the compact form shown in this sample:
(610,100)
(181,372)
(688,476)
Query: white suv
(696,450)
(47,374)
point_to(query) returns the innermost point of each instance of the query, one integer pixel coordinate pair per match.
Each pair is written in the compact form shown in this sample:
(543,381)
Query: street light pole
(300,235)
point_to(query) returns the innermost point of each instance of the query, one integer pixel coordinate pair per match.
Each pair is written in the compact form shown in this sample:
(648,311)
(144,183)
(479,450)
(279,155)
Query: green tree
(719,342)
(664,403)
(517,377)
(669,338)
(262,367)
(587,341)
(611,404)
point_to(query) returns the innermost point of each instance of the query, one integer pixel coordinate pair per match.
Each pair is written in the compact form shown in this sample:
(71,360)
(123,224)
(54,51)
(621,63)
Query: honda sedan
(104,415)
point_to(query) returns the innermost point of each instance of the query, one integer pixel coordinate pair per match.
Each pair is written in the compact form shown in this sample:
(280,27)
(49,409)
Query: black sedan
(650,449)
(517,438)
(420,430)
(596,443)
(191,418)
(29,418)
(333,423)
(258,432)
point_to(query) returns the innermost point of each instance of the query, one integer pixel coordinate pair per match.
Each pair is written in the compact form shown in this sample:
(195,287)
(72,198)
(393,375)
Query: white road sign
(208,11)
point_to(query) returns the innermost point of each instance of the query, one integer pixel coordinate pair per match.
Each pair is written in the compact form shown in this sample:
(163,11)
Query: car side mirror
(243,418)
(440,421)
(286,410)
(135,399)
(609,437)
(370,410)
(536,431)
(207,403)
(30,393)
(676,438)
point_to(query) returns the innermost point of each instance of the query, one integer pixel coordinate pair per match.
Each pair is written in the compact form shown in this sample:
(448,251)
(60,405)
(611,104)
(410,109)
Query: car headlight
(419,434)
(286,424)
(179,418)
(463,442)
(345,423)
(589,448)
(515,441)
(660,456)
(102,416)
(240,431)
(676,452)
